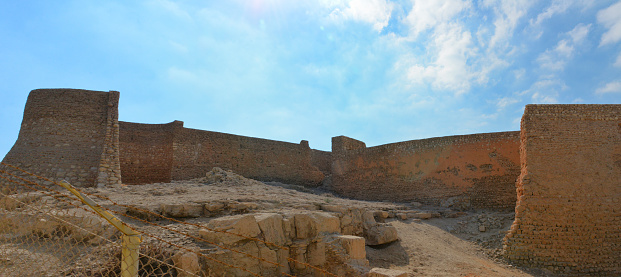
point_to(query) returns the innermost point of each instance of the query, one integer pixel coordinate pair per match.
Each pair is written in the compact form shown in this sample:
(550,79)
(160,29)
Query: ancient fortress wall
(568,214)
(146,152)
(197,152)
(70,134)
(477,171)
(322,160)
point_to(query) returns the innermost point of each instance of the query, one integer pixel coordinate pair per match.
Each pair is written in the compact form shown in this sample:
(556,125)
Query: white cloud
(502,103)
(579,33)
(519,73)
(508,15)
(612,87)
(578,101)
(450,69)
(545,91)
(557,6)
(543,98)
(611,19)
(555,59)
(618,62)
(374,12)
(428,14)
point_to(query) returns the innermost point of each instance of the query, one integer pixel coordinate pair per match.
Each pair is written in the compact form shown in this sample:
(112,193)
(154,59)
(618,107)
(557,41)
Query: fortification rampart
(197,152)
(147,152)
(568,213)
(477,171)
(70,134)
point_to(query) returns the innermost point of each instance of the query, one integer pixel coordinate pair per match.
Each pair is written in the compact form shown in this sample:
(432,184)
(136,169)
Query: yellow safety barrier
(131,238)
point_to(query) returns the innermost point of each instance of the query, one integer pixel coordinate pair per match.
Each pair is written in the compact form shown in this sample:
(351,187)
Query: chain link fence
(52,229)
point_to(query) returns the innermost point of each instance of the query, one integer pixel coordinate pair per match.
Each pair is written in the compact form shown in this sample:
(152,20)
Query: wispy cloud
(611,19)
(612,87)
(555,59)
(508,15)
(618,61)
(427,15)
(545,90)
(374,12)
(450,69)
(556,7)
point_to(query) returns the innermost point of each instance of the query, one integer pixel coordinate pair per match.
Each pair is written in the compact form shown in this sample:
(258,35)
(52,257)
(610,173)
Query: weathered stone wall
(568,214)
(146,152)
(322,160)
(70,134)
(197,152)
(472,171)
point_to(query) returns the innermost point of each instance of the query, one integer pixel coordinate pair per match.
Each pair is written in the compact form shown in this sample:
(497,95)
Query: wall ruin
(147,152)
(473,171)
(197,152)
(70,134)
(568,212)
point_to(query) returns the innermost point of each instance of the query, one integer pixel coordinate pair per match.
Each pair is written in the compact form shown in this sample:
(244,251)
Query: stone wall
(568,214)
(147,152)
(322,160)
(472,171)
(70,134)
(197,152)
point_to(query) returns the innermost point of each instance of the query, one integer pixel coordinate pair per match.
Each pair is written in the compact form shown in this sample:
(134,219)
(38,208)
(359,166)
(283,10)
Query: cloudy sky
(375,70)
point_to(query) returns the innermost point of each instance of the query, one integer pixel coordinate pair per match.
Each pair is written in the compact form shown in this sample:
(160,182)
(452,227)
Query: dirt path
(426,250)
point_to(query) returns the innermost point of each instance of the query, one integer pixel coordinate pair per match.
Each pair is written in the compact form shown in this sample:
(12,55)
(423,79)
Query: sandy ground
(426,250)
(451,243)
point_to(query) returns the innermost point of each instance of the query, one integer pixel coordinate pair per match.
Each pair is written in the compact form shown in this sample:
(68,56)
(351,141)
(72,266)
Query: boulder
(271,226)
(422,215)
(382,272)
(308,225)
(187,262)
(244,225)
(182,210)
(380,216)
(354,246)
(380,234)
(334,208)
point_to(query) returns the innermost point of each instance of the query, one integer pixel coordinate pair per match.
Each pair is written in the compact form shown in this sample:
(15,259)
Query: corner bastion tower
(70,134)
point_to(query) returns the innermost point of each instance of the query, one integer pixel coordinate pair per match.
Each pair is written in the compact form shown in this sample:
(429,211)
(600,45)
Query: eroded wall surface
(70,134)
(146,152)
(568,214)
(472,171)
(197,152)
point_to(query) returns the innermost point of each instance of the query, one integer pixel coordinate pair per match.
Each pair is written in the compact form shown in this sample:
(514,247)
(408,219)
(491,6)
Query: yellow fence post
(131,238)
(129,254)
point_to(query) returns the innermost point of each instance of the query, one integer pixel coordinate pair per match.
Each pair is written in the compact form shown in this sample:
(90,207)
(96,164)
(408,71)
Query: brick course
(472,171)
(147,152)
(69,134)
(197,151)
(568,214)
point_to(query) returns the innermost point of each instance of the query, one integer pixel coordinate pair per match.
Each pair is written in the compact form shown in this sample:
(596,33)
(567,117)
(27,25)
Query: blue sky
(375,70)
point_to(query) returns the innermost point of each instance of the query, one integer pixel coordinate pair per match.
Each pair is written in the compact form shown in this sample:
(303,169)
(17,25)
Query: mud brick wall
(197,152)
(70,134)
(568,214)
(474,171)
(146,152)
(322,160)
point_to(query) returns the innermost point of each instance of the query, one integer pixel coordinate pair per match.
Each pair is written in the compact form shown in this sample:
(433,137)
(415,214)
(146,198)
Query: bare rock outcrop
(273,243)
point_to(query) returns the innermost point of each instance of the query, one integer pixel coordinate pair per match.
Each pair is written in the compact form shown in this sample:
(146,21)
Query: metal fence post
(129,255)
(131,238)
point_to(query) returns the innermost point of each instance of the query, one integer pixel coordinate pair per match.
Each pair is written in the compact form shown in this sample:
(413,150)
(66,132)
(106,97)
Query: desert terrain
(441,242)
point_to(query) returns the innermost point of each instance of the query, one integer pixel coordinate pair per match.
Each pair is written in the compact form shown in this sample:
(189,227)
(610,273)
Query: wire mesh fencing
(46,230)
